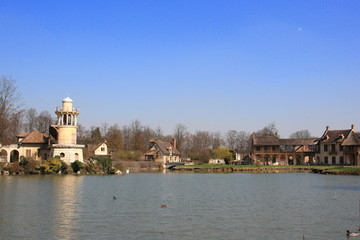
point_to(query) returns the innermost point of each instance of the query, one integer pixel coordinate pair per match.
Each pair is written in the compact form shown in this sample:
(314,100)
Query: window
(45,156)
(28,153)
(333,160)
(341,148)
(273,149)
(325,148)
(103,149)
(257,148)
(326,160)
(62,155)
(333,147)
(341,160)
(265,148)
(76,156)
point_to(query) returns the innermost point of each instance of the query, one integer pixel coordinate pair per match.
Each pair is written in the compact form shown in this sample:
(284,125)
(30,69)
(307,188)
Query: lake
(199,206)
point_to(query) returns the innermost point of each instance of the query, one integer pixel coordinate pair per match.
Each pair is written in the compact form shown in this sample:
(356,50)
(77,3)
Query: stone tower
(66,128)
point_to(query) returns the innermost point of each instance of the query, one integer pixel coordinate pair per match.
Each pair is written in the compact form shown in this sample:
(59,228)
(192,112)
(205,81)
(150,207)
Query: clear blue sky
(211,65)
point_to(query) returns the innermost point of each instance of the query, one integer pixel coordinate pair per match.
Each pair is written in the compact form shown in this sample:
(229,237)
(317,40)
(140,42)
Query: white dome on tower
(67,99)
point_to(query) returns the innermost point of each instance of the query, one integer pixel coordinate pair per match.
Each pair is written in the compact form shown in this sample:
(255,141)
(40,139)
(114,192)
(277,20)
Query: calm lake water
(200,206)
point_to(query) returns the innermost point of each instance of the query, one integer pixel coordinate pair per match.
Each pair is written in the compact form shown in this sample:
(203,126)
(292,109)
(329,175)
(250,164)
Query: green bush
(105,162)
(76,166)
(64,167)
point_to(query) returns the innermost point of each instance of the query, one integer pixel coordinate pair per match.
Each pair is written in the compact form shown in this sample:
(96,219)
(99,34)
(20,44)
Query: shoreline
(326,170)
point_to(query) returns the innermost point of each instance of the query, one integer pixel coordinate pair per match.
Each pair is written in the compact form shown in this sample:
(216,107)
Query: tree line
(126,142)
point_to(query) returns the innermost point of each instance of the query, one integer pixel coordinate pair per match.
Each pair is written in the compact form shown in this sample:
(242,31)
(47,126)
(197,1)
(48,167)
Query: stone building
(339,147)
(65,132)
(272,150)
(32,145)
(163,152)
(61,140)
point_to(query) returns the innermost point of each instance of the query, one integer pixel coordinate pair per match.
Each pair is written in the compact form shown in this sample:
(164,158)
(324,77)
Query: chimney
(173,143)
(353,127)
(327,128)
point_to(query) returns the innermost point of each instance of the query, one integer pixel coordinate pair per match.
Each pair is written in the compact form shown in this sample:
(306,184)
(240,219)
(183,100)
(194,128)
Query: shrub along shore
(104,165)
(334,170)
(99,165)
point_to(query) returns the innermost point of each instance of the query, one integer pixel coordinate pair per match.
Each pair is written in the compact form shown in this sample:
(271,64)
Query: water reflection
(67,204)
(200,206)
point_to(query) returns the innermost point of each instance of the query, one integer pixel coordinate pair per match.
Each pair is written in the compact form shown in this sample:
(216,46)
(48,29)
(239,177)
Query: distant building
(272,150)
(339,147)
(96,150)
(163,152)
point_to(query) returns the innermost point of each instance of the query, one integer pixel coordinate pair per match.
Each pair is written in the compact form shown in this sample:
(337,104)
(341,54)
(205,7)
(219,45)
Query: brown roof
(35,137)
(298,141)
(335,136)
(165,147)
(352,139)
(266,141)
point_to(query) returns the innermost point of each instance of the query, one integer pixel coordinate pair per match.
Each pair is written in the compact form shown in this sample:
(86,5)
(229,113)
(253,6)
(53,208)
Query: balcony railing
(60,109)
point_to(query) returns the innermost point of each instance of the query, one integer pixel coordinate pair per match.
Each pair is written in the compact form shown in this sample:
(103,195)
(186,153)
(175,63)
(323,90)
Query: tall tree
(95,134)
(115,138)
(231,139)
(269,130)
(301,134)
(30,120)
(10,110)
(180,133)
(44,120)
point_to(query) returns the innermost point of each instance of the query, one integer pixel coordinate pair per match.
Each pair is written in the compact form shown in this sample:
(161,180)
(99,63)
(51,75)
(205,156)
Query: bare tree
(243,142)
(10,112)
(159,132)
(269,130)
(44,120)
(301,134)
(30,120)
(137,140)
(115,137)
(104,127)
(180,133)
(231,139)
(81,132)
(216,140)
(126,140)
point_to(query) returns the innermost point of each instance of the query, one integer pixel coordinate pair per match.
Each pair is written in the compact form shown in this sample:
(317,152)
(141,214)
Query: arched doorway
(3,156)
(14,156)
(291,160)
(298,160)
(76,156)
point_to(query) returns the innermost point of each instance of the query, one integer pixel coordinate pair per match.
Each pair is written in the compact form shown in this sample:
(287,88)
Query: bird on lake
(164,205)
(114,197)
(351,234)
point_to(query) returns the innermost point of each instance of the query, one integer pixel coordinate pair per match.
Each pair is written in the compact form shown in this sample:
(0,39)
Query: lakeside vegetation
(99,165)
(337,170)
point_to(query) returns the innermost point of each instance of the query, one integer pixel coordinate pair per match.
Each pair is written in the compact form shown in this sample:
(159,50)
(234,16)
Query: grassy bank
(336,170)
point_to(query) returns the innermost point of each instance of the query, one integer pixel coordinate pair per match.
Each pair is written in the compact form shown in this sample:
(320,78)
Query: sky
(210,65)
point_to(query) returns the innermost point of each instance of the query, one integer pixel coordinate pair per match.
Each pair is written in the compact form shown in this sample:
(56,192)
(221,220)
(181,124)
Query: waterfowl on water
(114,197)
(351,234)
(164,206)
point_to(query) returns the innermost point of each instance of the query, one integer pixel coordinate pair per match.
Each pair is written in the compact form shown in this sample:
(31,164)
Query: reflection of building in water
(67,206)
